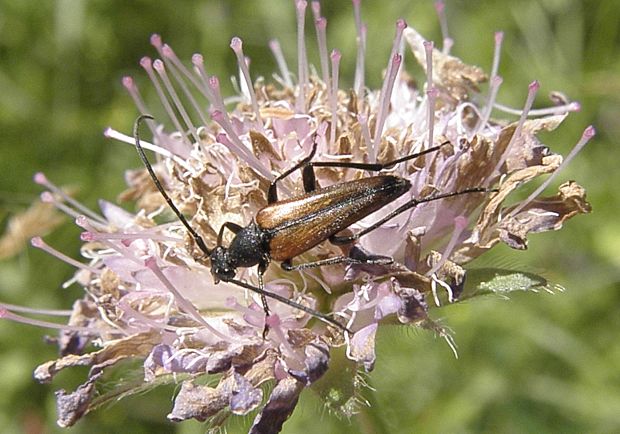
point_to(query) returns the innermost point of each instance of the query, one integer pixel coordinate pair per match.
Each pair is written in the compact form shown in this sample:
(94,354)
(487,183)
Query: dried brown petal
(544,214)
(276,112)
(262,146)
(82,314)
(72,406)
(316,362)
(363,346)
(281,404)
(244,397)
(138,345)
(195,401)
(449,272)
(413,248)
(526,150)
(414,309)
(485,234)
(454,78)
(200,402)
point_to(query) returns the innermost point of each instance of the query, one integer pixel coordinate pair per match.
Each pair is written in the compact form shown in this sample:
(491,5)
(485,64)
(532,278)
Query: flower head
(153,294)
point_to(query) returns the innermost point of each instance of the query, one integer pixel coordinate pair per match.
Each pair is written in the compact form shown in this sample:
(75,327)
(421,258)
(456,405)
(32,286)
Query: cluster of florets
(149,290)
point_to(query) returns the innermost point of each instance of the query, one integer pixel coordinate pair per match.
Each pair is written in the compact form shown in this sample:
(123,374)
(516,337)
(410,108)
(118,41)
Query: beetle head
(222,267)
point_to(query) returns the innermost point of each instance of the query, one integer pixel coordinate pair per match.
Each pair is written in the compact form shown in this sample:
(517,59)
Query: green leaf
(483,281)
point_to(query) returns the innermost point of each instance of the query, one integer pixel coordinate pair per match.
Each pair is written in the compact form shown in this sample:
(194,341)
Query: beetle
(310,219)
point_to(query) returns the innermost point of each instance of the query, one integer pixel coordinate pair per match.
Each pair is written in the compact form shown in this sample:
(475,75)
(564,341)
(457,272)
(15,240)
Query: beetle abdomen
(297,224)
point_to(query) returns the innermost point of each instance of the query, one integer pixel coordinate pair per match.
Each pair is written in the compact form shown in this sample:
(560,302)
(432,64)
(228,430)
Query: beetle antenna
(417,154)
(136,127)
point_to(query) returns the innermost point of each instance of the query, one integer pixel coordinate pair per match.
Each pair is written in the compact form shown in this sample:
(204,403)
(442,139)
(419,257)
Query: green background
(536,363)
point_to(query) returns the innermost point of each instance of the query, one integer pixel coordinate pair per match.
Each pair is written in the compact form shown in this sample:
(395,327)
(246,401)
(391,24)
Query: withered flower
(149,292)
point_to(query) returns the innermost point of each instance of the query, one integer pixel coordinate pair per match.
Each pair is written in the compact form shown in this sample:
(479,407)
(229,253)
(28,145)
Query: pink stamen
(333,94)
(47,197)
(40,244)
(572,106)
(431,94)
(274,45)
(315,5)
(232,142)
(83,222)
(531,94)
(499,37)
(156,42)
(588,133)
(321,35)
(237,46)
(120,248)
(440,8)
(214,85)
(30,310)
(496,82)
(111,133)
(41,179)
(428,49)
(182,302)
(360,62)
(386,94)
(159,67)
(131,87)
(302,59)
(460,224)
(388,83)
(147,64)
(6,314)
(199,68)
(180,73)
(238,148)
(126,238)
(372,153)
(90,226)
(431,97)
(169,54)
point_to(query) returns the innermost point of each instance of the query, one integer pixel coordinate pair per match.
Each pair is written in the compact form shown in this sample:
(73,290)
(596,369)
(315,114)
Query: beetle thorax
(248,248)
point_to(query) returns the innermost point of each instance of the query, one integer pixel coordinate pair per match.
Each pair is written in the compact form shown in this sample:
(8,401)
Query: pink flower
(150,293)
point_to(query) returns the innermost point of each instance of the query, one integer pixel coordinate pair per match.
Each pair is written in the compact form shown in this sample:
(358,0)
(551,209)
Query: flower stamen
(531,94)
(588,133)
(285,73)
(237,46)
(40,244)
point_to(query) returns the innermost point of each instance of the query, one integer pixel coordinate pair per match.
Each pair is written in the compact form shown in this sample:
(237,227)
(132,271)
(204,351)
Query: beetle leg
(272,193)
(262,267)
(375,167)
(307,166)
(369,259)
(233,227)
(411,204)
(309,179)
(263,300)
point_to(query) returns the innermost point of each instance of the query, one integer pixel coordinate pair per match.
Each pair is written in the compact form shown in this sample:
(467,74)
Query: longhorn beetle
(309,219)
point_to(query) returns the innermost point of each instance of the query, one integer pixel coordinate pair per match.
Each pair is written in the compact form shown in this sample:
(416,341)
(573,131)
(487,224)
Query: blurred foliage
(537,363)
